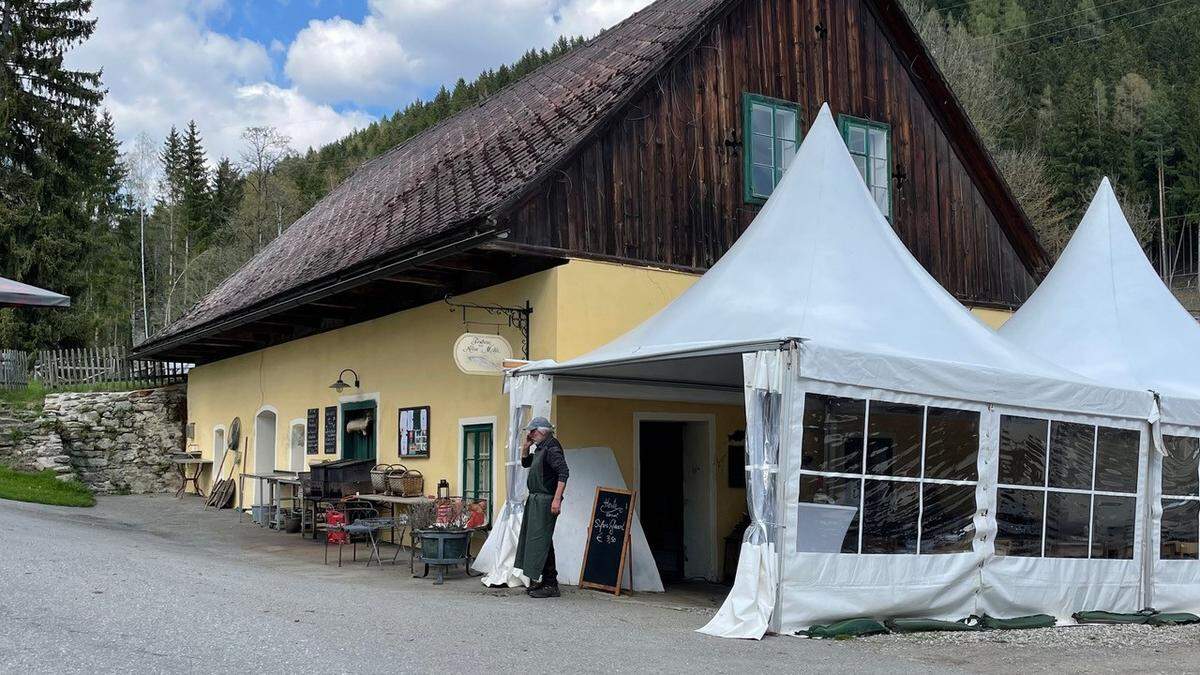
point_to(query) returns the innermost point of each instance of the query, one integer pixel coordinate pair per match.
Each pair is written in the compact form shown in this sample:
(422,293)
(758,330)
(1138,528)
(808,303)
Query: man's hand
(556,506)
(525,445)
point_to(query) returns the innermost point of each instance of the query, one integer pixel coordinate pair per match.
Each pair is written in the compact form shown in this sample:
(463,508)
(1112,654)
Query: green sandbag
(1112,617)
(1017,623)
(845,629)
(1173,619)
(926,625)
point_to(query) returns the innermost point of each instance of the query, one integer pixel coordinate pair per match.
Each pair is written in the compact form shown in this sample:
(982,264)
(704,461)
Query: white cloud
(162,67)
(405,47)
(338,60)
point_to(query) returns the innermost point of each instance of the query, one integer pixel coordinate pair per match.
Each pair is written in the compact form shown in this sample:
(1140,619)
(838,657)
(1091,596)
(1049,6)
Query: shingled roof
(443,184)
(460,170)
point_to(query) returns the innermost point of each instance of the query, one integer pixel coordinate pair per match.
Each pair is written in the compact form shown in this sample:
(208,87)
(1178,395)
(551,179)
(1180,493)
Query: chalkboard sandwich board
(607,550)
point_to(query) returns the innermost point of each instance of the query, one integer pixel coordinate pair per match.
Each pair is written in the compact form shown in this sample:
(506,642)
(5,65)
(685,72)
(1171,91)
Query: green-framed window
(870,145)
(477,464)
(770,133)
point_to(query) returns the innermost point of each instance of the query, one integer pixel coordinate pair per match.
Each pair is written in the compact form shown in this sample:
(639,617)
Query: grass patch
(32,396)
(43,488)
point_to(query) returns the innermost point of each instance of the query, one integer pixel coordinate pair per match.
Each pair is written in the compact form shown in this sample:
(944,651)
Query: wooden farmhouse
(563,211)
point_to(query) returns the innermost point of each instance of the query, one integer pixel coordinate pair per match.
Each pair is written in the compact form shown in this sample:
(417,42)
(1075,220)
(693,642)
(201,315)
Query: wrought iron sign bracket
(514,317)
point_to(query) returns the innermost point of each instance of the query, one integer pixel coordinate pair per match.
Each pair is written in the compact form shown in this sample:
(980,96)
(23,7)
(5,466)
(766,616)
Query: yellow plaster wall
(611,423)
(992,317)
(404,358)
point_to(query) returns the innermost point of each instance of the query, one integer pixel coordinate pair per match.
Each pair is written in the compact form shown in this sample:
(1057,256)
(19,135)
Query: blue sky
(314,69)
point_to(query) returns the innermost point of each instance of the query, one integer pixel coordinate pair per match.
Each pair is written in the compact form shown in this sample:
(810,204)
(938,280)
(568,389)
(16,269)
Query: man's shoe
(545,591)
(533,587)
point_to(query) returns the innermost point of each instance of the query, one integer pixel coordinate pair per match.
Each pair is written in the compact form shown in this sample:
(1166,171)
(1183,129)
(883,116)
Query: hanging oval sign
(481,354)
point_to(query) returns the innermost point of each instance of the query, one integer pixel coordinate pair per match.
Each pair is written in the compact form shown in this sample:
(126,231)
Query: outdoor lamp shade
(341,385)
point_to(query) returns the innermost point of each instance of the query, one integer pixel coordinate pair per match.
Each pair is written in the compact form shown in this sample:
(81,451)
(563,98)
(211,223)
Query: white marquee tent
(878,410)
(1103,312)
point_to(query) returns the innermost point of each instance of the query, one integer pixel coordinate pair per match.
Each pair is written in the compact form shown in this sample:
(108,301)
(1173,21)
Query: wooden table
(182,463)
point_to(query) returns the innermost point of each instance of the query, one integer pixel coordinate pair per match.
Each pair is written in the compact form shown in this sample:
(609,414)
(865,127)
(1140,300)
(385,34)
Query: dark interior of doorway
(662,448)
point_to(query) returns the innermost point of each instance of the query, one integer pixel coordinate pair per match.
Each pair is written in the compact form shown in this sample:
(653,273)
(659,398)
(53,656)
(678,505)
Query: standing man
(543,455)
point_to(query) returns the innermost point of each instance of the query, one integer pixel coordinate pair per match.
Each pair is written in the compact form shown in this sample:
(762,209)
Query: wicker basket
(379,476)
(408,483)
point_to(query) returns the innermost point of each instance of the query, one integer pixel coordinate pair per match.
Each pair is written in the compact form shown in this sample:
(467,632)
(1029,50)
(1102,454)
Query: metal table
(182,463)
(269,481)
(393,501)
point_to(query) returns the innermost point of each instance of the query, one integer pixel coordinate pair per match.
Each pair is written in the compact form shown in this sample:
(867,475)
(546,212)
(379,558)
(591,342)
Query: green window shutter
(770,136)
(477,465)
(870,145)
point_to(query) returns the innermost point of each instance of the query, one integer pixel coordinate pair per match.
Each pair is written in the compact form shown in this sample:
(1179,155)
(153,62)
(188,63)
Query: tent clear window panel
(1023,451)
(1180,472)
(870,145)
(894,439)
(771,135)
(1085,505)
(1180,530)
(1019,516)
(833,433)
(879,477)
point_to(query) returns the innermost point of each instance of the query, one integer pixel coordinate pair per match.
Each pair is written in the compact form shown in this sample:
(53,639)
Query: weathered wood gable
(663,183)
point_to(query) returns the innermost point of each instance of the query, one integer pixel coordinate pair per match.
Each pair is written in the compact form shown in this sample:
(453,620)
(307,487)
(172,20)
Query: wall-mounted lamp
(341,385)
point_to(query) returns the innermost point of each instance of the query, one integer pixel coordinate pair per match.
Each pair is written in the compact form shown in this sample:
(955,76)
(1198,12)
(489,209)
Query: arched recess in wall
(296,436)
(266,422)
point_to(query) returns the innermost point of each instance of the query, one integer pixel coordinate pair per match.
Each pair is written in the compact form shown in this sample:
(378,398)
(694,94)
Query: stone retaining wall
(111,441)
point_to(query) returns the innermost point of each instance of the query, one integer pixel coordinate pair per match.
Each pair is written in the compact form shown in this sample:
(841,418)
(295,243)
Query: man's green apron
(537,526)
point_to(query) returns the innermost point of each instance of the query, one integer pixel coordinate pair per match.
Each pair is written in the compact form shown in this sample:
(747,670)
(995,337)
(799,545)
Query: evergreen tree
(45,221)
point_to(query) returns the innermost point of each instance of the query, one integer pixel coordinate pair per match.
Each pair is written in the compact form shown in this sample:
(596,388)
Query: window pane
(894,439)
(828,517)
(1071,455)
(1067,525)
(879,173)
(881,199)
(856,139)
(762,180)
(1023,452)
(1019,522)
(951,444)
(833,433)
(1112,528)
(890,517)
(879,143)
(1179,471)
(760,119)
(761,150)
(861,163)
(1180,530)
(785,151)
(947,519)
(785,123)
(1117,459)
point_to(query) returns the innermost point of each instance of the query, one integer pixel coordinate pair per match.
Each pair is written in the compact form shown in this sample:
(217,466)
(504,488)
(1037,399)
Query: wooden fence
(63,368)
(14,369)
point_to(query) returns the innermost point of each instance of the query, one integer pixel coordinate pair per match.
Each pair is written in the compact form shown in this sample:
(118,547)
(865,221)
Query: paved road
(155,585)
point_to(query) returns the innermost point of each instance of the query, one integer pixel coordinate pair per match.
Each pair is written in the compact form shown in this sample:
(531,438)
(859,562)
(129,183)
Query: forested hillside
(1063,92)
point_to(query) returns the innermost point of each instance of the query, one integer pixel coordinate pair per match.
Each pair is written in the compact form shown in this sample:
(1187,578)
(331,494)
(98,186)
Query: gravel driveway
(151,584)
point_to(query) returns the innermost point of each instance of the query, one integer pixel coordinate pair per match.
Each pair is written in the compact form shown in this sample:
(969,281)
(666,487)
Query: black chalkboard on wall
(607,550)
(312,427)
(331,430)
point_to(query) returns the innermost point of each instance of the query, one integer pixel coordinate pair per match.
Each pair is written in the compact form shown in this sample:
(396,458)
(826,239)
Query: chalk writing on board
(609,528)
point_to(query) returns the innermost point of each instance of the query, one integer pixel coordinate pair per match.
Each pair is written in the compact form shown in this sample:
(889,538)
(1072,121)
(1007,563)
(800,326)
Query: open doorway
(676,500)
